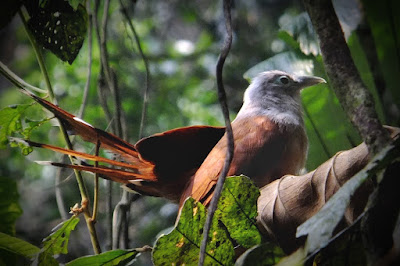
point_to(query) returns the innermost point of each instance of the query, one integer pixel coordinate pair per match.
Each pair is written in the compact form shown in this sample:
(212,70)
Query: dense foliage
(180,42)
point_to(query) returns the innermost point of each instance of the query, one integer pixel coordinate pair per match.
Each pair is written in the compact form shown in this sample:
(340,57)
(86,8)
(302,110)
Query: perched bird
(269,136)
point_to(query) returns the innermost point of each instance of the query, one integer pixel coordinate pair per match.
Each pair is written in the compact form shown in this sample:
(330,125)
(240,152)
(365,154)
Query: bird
(269,138)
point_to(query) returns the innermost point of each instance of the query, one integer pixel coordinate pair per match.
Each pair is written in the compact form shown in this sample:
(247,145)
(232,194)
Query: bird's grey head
(277,95)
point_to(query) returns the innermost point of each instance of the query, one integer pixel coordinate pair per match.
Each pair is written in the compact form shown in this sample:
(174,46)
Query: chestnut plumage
(269,134)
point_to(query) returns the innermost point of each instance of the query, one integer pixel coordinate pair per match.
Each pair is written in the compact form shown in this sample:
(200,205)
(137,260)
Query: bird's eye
(284,80)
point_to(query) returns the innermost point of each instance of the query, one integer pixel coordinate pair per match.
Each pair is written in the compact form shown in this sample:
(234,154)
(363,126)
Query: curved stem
(17,81)
(230,150)
(81,184)
(146,66)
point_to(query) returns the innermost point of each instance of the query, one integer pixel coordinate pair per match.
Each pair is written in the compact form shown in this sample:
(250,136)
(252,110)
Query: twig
(96,185)
(17,81)
(146,65)
(121,211)
(229,155)
(110,81)
(103,103)
(109,75)
(119,214)
(81,184)
(89,67)
(58,192)
(59,198)
(101,78)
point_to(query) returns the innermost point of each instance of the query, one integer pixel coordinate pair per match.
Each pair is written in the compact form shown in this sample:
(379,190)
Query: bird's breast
(265,150)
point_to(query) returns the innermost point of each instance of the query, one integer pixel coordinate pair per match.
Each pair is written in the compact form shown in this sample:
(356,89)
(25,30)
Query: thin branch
(108,73)
(118,219)
(121,211)
(146,65)
(101,87)
(82,187)
(89,67)
(229,155)
(100,81)
(16,80)
(96,185)
(111,82)
(58,192)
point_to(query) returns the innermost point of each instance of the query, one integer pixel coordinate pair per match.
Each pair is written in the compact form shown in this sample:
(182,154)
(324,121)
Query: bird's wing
(180,150)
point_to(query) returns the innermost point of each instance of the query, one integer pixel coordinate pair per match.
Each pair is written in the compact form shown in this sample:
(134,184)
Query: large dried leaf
(291,200)
(320,227)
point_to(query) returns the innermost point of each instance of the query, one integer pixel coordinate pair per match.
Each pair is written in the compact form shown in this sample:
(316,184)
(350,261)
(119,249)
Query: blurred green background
(182,40)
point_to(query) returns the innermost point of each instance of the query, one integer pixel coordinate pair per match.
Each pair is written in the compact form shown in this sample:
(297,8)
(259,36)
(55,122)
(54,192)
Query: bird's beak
(307,81)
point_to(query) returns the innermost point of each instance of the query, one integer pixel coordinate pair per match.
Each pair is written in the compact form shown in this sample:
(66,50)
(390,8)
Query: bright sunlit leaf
(182,245)
(57,242)
(237,210)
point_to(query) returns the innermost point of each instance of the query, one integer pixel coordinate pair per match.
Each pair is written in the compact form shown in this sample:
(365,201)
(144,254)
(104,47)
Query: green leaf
(319,228)
(263,254)
(10,211)
(302,31)
(59,28)
(181,246)
(57,242)
(10,122)
(289,40)
(17,246)
(9,206)
(31,125)
(113,257)
(237,210)
(328,128)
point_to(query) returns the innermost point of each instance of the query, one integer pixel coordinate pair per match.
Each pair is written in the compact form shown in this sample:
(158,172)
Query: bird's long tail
(133,167)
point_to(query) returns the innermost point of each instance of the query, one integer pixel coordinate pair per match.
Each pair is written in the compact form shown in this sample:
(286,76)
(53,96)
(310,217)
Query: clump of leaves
(11,124)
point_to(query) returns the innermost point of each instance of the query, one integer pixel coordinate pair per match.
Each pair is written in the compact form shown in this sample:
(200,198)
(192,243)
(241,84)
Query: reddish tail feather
(159,165)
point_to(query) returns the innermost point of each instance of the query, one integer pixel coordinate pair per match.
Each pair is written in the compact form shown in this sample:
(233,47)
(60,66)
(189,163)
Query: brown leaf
(289,201)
